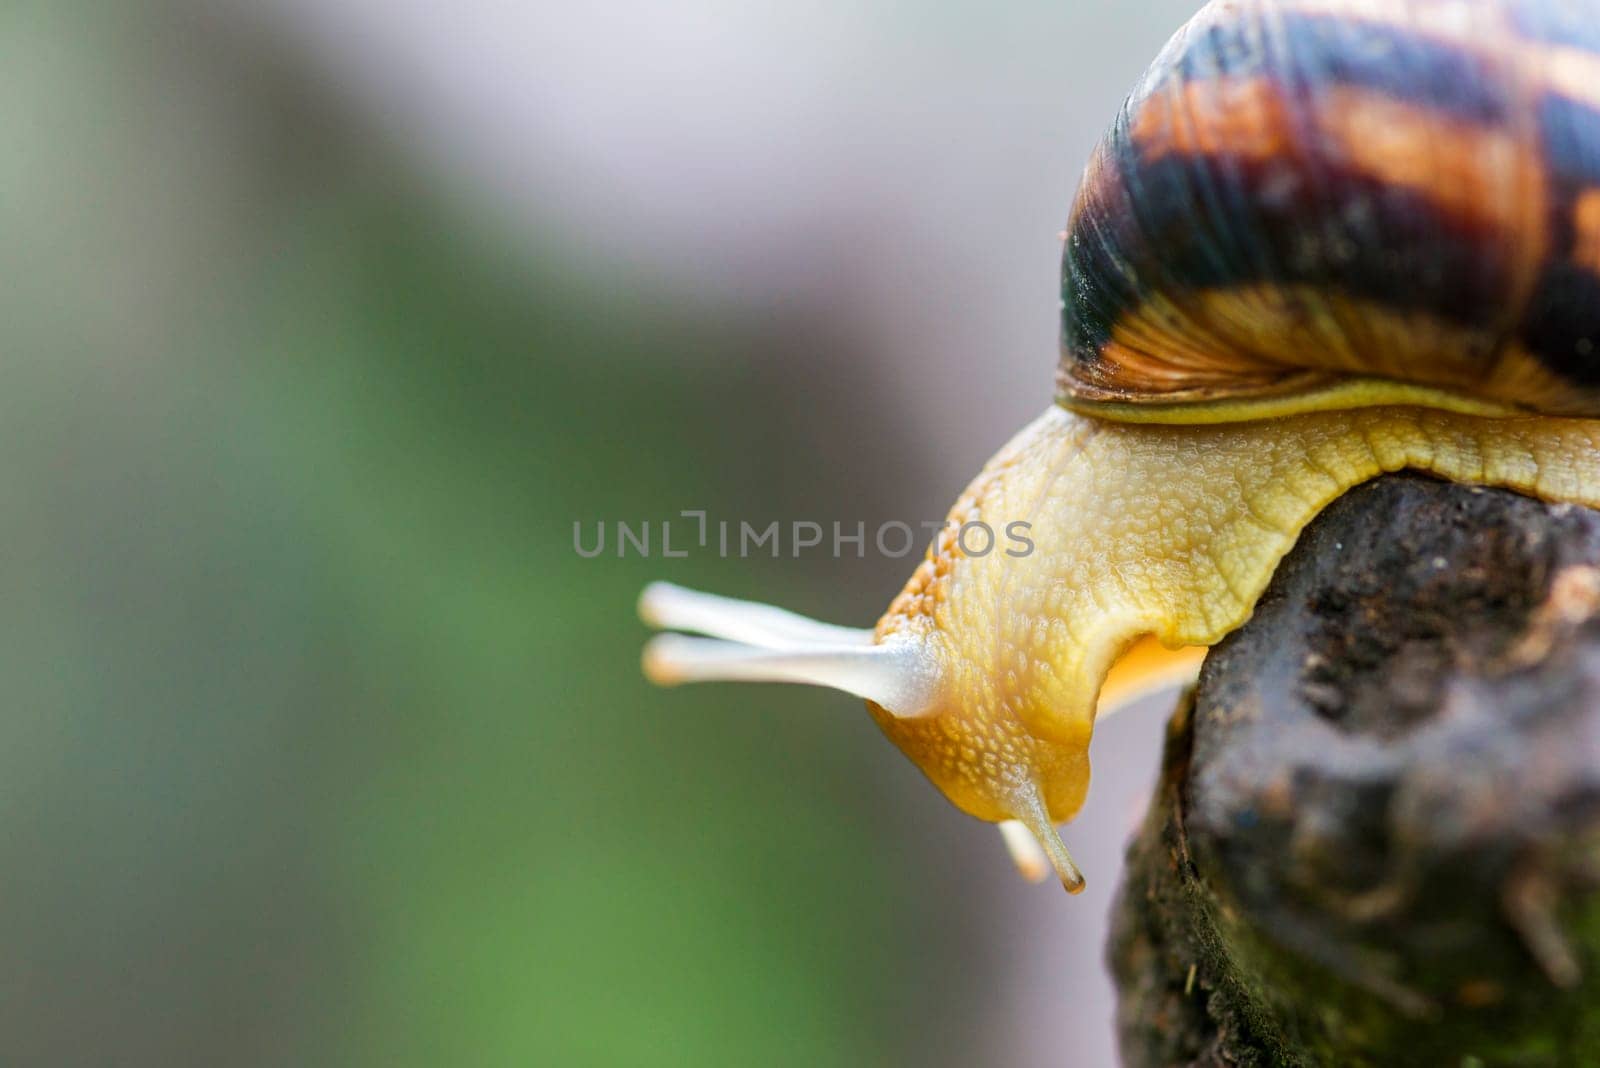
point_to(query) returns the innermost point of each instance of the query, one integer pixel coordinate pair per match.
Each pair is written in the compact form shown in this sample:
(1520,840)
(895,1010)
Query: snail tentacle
(759,643)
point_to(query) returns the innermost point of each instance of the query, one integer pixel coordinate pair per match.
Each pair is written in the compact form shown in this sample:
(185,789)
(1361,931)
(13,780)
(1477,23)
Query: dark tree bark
(1376,839)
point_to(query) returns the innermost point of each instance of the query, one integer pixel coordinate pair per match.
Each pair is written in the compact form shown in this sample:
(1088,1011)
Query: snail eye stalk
(752,642)
(667,607)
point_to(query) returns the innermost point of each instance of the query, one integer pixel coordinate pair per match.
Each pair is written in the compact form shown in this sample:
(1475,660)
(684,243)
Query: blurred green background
(323,322)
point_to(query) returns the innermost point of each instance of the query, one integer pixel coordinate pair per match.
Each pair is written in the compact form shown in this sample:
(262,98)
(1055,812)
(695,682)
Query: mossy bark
(1376,838)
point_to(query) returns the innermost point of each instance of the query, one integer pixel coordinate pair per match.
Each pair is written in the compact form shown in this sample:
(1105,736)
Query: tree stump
(1376,837)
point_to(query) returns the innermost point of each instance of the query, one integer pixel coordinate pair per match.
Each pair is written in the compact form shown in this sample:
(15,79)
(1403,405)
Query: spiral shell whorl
(1302,193)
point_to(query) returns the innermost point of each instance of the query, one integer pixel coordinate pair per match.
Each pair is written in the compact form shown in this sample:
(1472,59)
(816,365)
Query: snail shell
(1302,195)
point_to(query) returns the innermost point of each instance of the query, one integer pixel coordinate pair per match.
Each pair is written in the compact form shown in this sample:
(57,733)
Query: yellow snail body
(1323,240)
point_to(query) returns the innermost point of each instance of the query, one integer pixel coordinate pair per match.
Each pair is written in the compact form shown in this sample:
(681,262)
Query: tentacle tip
(1030,860)
(659,663)
(1034,873)
(650,602)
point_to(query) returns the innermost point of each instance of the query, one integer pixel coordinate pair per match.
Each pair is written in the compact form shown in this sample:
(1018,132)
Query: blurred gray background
(323,321)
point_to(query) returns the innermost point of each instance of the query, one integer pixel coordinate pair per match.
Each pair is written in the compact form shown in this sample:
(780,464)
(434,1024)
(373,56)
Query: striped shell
(1301,193)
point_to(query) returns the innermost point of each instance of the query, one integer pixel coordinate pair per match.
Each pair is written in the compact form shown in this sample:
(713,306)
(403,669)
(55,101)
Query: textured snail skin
(1172,531)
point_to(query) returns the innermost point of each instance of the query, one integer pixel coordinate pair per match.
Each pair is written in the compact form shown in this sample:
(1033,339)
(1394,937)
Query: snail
(1322,240)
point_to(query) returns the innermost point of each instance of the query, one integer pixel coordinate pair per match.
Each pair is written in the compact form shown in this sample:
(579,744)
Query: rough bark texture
(1376,839)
